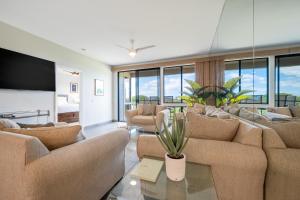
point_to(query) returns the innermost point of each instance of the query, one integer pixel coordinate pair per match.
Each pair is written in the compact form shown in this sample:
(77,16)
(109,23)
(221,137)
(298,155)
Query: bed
(67,111)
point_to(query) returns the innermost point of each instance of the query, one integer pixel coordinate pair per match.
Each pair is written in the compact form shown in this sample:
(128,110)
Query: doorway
(68,95)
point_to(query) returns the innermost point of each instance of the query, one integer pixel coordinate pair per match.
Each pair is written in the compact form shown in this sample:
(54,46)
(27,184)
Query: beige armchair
(144,114)
(238,166)
(84,170)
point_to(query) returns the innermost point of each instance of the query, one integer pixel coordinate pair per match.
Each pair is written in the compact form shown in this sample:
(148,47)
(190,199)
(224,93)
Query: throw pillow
(295,110)
(199,108)
(249,134)
(276,117)
(234,109)
(7,123)
(140,109)
(51,137)
(204,127)
(50,124)
(280,110)
(211,111)
(289,133)
(149,109)
(249,115)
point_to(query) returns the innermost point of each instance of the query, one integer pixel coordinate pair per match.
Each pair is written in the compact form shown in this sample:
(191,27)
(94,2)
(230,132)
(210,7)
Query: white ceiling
(276,23)
(176,27)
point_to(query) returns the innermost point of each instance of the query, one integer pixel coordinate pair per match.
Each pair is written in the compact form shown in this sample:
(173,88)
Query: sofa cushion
(197,108)
(140,109)
(280,110)
(203,127)
(52,137)
(7,123)
(295,110)
(289,133)
(143,119)
(149,109)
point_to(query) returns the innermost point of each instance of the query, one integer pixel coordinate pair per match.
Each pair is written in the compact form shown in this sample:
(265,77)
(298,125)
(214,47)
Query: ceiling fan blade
(71,72)
(123,47)
(146,47)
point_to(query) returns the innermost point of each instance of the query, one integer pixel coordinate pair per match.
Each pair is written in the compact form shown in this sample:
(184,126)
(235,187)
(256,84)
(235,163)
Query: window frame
(181,80)
(239,61)
(277,74)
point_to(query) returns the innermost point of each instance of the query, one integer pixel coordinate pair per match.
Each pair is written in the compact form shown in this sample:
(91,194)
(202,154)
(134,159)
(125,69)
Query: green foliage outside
(224,95)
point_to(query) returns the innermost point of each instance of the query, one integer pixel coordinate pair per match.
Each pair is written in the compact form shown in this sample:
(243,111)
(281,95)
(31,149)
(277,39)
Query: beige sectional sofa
(84,170)
(148,116)
(238,164)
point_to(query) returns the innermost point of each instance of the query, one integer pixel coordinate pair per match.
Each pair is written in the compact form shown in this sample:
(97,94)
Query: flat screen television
(20,71)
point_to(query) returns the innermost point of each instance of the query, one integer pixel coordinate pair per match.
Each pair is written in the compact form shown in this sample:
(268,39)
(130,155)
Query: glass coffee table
(197,185)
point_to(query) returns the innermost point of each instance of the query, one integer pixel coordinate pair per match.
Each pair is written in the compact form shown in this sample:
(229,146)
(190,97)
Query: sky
(290,80)
(148,85)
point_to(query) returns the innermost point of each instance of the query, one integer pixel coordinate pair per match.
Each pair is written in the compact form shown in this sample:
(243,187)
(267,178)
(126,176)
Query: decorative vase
(175,168)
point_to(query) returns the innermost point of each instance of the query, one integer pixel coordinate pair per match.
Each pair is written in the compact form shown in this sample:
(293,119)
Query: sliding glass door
(138,86)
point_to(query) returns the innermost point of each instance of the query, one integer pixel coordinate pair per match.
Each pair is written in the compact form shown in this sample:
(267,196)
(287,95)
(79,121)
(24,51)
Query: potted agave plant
(174,141)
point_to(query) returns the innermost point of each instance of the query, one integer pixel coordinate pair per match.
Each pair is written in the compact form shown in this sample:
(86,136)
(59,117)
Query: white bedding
(68,107)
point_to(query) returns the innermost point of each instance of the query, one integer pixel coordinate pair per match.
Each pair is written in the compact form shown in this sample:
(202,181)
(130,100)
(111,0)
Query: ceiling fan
(72,72)
(132,51)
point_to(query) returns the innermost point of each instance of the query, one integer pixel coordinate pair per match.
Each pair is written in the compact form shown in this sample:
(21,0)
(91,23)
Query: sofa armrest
(16,151)
(162,116)
(283,174)
(91,166)
(129,114)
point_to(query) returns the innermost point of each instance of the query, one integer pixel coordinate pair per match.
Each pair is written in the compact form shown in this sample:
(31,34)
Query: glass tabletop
(198,184)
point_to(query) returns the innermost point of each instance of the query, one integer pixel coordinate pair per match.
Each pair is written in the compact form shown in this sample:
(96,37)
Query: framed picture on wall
(99,87)
(74,87)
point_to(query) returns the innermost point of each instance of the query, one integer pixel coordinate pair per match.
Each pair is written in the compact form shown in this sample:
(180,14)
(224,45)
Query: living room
(150,100)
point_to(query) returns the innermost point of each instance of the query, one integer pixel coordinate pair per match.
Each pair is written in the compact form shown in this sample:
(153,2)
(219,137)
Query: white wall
(22,100)
(94,109)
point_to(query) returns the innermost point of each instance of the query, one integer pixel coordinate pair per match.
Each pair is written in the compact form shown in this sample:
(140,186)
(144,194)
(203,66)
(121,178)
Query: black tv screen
(20,71)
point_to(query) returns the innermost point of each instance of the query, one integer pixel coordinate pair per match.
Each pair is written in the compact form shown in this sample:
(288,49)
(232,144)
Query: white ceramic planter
(175,168)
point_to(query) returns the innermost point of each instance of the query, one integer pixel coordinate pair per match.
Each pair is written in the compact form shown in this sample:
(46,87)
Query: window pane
(148,86)
(172,84)
(188,73)
(126,93)
(231,71)
(289,81)
(255,78)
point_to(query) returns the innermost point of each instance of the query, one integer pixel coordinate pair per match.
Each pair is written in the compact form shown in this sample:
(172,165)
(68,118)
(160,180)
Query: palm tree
(195,93)
(226,95)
